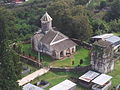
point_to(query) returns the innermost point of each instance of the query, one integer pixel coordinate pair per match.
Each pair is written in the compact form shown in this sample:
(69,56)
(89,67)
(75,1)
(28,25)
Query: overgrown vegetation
(72,17)
(115,74)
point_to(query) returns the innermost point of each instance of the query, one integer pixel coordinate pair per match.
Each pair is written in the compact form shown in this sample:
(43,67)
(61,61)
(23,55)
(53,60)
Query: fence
(30,61)
(71,69)
(82,43)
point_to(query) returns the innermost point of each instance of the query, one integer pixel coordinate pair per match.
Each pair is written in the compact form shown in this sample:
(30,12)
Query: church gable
(59,37)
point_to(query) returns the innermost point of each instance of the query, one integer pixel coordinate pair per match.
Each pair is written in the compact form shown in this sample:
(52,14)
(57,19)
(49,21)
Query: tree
(115,11)
(81,28)
(72,62)
(9,61)
(81,2)
(71,20)
(58,10)
(115,26)
(81,61)
(9,68)
(100,26)
(103,4)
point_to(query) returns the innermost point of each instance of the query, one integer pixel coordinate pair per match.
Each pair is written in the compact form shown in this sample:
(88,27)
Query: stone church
(50,41)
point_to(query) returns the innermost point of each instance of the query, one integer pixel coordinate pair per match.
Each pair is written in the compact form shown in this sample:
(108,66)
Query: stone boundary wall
(71,69)
(82,43)
(118,58)
(29,61)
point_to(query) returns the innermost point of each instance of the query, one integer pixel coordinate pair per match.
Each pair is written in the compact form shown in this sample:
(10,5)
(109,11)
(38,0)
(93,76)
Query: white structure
(95,81)
(65,85)
(89,76)
(103,36)
(30,86)
(114,40)
(102,82)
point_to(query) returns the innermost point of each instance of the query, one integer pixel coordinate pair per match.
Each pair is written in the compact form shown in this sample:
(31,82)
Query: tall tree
(71,20)
(81,28)
(9,61)
(81,2)
(115,11)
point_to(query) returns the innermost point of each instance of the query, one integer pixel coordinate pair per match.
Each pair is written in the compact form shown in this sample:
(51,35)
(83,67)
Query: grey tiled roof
(63,45)
(47,39)
(37,36)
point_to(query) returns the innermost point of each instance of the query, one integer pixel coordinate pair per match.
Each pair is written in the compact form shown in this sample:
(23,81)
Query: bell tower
(102,57)
(46,23)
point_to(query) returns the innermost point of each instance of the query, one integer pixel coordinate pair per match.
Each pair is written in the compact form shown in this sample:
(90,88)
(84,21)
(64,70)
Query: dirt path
(32,76)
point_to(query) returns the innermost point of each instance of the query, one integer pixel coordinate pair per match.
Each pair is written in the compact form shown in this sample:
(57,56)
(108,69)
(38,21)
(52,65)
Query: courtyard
(81,53)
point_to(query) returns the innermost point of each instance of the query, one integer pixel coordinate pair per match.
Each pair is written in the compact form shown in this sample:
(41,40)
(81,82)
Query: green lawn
(56,77)
(81,53)
(117,34)
(27,48)
(116,74)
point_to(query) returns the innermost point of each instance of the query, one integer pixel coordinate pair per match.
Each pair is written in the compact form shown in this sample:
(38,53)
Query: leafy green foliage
(100,26)
(115,26)
(103,4)
(81,2)
(70,20)
(9,61)
(115,11)
(27,20)
(7,25)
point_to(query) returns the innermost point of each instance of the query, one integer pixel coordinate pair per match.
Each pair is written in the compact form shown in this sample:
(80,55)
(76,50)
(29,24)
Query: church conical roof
(46,17)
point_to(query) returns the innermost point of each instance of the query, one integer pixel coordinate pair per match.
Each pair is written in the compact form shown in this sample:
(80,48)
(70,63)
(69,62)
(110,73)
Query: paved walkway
(32,76)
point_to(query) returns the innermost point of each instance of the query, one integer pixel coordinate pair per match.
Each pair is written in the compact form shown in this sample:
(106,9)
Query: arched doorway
(61,54)
(68,51)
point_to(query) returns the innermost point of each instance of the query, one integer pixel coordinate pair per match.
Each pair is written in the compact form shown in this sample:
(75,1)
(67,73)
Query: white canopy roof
(90,75)
(102,79)
(113,39)
(103,36)
(31,87)
(109,37)
(65,85)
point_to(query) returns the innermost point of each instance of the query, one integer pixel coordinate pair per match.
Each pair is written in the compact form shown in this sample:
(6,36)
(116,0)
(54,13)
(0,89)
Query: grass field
(56,77)
(116,74)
